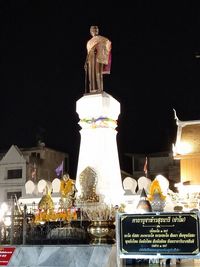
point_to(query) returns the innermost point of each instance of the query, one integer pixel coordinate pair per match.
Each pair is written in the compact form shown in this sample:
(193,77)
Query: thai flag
(145,166)
(34,171)
(59,169)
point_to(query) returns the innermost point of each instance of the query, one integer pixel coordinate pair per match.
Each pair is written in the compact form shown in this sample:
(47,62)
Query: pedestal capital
(98,105)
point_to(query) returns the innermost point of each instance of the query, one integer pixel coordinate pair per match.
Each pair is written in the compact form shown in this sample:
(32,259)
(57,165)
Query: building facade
(161,163)
(18,165)
(187,150)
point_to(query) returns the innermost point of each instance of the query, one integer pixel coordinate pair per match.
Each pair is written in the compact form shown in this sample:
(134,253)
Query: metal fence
(23,230)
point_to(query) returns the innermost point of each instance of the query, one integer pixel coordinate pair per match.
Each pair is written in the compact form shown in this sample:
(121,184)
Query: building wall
(158,163)
(187,150)
(190,170)
(44,159)
(12,160)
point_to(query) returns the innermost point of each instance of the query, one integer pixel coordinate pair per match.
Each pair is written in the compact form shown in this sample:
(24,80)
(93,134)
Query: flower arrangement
(101,212)
(101,122)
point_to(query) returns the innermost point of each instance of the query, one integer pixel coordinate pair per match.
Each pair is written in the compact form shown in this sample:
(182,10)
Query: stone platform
(64,256)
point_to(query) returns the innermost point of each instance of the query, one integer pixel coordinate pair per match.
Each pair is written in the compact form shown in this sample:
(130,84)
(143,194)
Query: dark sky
(154,69)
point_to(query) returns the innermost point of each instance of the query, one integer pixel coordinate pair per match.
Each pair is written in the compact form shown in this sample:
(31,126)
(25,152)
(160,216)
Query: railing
(31,227)
(24,231)
(60,232)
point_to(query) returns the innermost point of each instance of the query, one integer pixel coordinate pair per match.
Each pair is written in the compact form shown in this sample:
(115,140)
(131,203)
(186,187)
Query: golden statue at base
(66,211)
(67,191)
(155,189)
(46,203)
(156,197)
(45,207)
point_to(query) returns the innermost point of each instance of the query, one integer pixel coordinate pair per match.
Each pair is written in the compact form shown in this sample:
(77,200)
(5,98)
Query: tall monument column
(98,115)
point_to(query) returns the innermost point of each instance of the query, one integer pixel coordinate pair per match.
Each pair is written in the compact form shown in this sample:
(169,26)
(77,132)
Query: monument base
(60,256)
(98,115)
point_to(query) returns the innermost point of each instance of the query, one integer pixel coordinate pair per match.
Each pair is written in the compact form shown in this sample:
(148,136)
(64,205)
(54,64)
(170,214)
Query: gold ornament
(88,181)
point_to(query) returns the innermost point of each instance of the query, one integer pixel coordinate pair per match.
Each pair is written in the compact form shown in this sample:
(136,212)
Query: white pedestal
(98,115)
(65,255)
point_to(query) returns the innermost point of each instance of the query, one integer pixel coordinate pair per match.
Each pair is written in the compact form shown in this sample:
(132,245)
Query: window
(35,155)
(18,194)
(14,174)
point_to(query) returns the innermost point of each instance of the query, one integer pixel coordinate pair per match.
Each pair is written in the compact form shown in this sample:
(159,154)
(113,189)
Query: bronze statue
(98,61)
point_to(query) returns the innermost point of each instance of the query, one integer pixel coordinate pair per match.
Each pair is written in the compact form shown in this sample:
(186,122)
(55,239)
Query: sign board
(158,233)
(5,255)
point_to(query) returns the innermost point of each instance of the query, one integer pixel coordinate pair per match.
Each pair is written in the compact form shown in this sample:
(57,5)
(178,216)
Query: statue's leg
(93,85)
(99,76)
(90,76)
(92,72)
(86,80)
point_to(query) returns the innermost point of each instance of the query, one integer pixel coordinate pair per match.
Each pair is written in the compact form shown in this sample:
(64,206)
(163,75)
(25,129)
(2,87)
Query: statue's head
(94,30)
(65,177)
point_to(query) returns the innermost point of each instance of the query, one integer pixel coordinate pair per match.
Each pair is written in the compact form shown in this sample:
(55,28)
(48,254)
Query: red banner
(5,255)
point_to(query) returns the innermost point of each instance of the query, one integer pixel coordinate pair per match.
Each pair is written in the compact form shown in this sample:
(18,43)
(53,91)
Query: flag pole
(62,168)
(146,167)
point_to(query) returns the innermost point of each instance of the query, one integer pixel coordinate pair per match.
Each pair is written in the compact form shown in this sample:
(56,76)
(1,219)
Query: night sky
(154,69)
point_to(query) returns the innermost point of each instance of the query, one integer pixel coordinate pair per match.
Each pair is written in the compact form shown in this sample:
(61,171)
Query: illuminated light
(44,185)
(178,185)
(98,115)
(1,215)
(164,183)
(56,185)
(7,221)
(41,185)
(184,189)
(130,184)
(30,187)
(183,148)
(4,207)
(3,210)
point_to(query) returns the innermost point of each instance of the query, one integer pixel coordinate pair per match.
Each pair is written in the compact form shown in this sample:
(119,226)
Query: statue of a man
(67,186)
(67,191)
(98,61)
